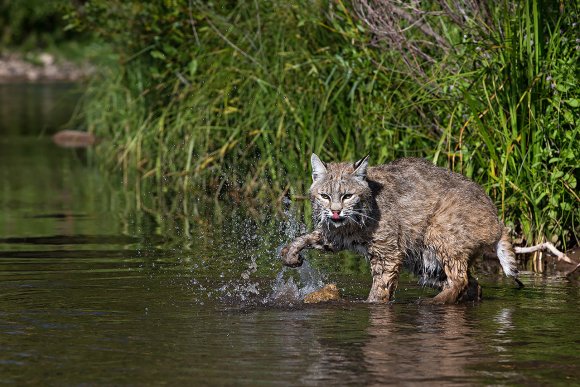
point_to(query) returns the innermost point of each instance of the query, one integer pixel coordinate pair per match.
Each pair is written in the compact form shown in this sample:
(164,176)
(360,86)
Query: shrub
(32,23)
(232,97)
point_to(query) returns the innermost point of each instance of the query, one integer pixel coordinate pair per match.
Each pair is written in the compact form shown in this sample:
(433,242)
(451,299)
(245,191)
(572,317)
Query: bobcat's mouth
(337,218)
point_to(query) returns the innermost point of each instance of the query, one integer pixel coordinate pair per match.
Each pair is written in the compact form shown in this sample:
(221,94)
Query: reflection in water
(94,292)
(31,109)
(400,344)
(504,321)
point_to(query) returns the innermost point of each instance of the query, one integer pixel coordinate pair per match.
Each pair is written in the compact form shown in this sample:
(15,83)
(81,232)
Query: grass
(230,100)
(527,123)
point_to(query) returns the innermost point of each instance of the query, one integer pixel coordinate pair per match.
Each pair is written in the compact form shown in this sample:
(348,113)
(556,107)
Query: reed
(521,137)
(230,100)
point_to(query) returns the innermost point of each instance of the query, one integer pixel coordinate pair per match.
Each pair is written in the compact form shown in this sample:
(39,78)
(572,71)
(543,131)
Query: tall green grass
(231,99)
(524,114)
(522,134)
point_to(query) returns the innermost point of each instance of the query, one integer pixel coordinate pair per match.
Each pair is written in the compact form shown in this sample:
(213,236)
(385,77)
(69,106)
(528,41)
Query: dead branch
(413,29)
(547,246)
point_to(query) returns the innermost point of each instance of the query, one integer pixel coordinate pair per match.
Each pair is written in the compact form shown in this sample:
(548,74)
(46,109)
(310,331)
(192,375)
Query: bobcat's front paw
(291,256)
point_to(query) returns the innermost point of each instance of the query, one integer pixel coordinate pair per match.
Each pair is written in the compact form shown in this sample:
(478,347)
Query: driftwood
(74,139)
(547,246)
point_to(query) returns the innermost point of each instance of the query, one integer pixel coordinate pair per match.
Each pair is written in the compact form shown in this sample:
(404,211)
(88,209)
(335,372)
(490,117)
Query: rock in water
(327,293)
(74,139)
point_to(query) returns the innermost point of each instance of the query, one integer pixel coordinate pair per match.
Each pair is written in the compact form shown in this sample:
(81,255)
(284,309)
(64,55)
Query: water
(94,292)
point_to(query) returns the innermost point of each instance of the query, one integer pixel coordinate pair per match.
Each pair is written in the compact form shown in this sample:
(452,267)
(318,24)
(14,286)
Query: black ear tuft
(359,162)
(360,167)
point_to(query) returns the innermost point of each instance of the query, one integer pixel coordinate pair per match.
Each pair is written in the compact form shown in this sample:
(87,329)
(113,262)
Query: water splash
(292,227)
(292,285)
(244,289)
(251,272)
(289,291)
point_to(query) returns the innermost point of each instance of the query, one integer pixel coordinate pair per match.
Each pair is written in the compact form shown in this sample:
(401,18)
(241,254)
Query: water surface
(93,291)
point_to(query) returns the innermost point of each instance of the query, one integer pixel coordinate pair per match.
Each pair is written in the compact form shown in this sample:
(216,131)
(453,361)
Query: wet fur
(409,213)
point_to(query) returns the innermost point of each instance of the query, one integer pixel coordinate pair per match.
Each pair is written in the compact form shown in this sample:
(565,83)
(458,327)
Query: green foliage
(31,23)
(524,126)
(232,97)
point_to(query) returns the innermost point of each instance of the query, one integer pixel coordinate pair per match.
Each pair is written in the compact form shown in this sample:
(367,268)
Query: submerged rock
(327,293)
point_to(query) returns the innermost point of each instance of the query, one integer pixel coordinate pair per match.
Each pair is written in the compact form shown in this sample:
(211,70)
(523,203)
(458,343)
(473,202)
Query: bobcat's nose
(335,215)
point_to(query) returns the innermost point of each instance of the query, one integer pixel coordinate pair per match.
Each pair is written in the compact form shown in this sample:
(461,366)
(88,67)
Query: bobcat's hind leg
(457,282)
(385,271)
(472,292)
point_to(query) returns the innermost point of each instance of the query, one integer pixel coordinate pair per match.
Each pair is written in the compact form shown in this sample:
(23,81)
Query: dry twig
(547,246)
(414,29)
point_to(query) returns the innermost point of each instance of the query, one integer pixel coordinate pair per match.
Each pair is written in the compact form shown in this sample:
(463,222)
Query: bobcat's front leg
(291,252)
(385,270)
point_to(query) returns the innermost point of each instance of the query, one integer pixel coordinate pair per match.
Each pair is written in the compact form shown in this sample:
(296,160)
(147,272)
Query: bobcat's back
(414,193)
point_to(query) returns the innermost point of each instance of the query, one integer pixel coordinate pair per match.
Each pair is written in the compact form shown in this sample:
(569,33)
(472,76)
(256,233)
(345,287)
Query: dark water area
(30,109)
(95,292)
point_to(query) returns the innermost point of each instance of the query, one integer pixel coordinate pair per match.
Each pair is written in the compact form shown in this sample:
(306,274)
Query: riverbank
(230,99)
(15,67)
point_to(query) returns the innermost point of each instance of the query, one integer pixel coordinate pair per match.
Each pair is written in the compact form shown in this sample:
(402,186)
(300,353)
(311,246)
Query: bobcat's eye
(325,196)
(346,196)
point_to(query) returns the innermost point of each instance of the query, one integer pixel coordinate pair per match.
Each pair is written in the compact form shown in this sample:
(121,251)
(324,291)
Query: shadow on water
(94,292)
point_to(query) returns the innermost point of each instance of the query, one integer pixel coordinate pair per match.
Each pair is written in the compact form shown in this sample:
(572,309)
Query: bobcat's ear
(360,168)
(318,168)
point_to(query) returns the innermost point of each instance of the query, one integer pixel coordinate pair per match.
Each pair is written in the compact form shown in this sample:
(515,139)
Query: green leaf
(157,54)
(567,154)
(557,174)
(193,67)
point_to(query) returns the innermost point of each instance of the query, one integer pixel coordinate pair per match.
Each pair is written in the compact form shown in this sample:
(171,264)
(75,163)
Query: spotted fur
(407,213)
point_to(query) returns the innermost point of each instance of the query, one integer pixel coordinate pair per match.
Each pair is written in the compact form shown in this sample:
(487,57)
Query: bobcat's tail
(507,257)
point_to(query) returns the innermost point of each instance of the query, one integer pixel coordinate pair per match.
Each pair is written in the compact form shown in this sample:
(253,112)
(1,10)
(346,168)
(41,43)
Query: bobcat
(406,213)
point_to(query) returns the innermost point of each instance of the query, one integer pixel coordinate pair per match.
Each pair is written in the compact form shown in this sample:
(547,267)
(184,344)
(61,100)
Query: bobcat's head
(340,193)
